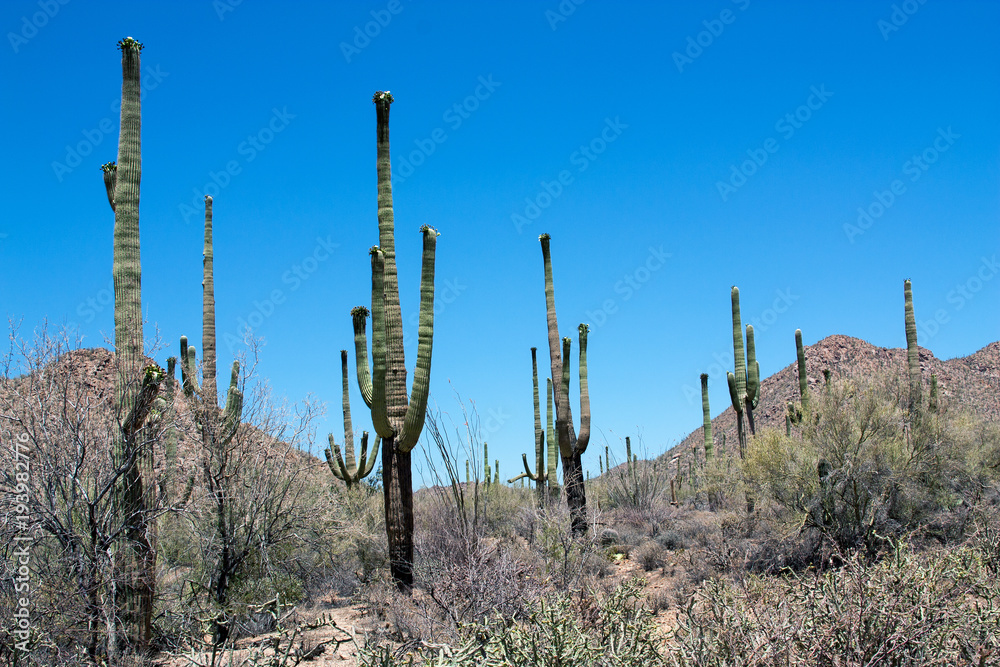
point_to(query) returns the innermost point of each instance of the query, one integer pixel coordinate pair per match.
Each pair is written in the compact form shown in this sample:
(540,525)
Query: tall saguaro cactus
(706,415)
(347,470)
(540,476)
(744,382)
(398,419)
(800,359)
(571,446)
(912,353)
(135,389)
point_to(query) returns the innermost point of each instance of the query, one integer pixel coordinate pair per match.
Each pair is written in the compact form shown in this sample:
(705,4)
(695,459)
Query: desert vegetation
(860,526)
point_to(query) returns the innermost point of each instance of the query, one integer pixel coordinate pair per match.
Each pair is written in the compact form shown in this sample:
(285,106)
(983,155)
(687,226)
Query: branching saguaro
(134,397)
(397,419)
(571,446)
(347,470)
(744,382)
(541,475)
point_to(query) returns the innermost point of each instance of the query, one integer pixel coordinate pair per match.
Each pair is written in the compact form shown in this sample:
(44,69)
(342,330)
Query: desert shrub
(650,555)
(671,540)
(615,630)
(865,470)
(929,609)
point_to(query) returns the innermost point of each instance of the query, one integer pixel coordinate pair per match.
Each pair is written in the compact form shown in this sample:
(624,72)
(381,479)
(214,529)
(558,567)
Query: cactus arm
(753,370)
(800,360)
(233,411)
(336,461)
(359,315)
(413,422)
(110,170)
(368,464)
(380,413)
(550,435)
(733,395)
(739,367)
(583,438)
(562,398)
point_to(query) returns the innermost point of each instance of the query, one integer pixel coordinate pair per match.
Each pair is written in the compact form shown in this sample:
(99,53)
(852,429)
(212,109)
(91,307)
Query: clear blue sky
(738,138)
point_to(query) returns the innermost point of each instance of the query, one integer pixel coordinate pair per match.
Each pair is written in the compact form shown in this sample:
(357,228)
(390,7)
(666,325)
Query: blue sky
(814,154)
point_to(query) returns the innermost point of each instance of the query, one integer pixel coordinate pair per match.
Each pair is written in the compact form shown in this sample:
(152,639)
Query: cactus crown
(544,237)
(360,310)
(129,43)
(382,96)
(109,167)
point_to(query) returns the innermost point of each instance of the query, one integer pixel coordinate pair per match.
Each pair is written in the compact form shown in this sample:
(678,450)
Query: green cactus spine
(706,415)
(744,382)
(571,446)
(398,419)
(912,353)
(344,466)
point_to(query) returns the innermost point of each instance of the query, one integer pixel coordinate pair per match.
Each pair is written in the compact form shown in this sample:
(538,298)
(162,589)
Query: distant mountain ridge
(973,381)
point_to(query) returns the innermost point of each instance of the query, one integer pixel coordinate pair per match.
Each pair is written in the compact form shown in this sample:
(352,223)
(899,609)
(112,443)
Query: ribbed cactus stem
(912,353)
(135,390)
(706,417)
(208,370)
(932,401)
(571,447)
(344,466)
(398,418)
(800,359)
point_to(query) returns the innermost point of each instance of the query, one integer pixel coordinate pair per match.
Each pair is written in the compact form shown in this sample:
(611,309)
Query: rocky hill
(972,381)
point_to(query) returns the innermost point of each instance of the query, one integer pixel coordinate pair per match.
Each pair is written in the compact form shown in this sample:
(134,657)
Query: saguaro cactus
(744,383)
(571,446)
(135,389)
(912,353)
(540,477)
(800,359)
(397,419)
(706,415)
(347,470)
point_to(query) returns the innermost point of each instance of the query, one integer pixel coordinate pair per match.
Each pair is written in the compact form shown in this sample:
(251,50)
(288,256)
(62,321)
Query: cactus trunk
(706,418)
(800,359)
(912,353)
(132,391)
